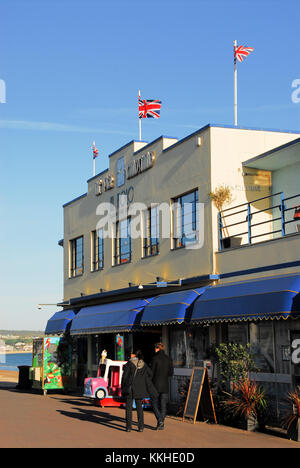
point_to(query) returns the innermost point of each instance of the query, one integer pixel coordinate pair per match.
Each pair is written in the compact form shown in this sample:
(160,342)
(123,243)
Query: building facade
(147,256)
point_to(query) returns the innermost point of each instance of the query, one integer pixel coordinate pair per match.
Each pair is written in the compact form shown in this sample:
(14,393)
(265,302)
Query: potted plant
(220,197)
(248,402)
(292,417)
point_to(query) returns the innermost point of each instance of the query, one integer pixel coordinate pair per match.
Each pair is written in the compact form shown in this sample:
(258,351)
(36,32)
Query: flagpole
(235,84)
(140,121)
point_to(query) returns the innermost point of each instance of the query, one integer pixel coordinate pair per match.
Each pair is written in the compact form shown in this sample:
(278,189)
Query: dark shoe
(160,426)
(140,430)
(128,429)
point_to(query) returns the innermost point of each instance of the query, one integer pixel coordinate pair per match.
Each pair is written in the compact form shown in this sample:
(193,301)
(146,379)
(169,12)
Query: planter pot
(229,242)
(252,424)
(249,424)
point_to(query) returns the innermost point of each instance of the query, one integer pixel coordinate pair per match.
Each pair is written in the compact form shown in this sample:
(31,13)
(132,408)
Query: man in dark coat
(136,385)
(162,369)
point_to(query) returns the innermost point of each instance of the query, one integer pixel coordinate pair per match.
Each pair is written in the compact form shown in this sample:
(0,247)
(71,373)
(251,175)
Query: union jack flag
(95,151)
(241,52)
(149,108)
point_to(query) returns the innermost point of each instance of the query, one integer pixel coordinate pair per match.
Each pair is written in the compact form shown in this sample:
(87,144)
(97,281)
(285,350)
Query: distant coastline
(16,352)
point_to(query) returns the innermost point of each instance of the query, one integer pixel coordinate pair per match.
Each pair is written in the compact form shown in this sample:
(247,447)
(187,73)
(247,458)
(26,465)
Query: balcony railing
(262,219)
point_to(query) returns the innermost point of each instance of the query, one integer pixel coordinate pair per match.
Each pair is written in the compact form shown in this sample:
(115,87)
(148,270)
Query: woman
(136,385)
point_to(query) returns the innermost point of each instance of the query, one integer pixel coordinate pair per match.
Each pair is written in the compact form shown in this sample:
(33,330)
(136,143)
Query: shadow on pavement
(103,418)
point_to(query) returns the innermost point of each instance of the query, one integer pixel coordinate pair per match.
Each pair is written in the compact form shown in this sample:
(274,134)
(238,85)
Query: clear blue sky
(72,70)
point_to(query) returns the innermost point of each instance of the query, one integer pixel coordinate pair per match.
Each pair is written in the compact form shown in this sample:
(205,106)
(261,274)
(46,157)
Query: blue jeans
(159,406)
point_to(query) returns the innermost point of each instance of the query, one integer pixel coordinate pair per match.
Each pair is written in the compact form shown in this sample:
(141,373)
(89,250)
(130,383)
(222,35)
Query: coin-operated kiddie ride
(105,389)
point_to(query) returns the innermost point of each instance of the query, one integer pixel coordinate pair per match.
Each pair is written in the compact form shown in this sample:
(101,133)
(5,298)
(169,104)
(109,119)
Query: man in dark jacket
(162,369)
(136,384)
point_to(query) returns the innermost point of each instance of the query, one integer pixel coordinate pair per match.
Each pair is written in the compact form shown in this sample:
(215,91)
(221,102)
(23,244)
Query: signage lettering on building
(141,164)
(103,185)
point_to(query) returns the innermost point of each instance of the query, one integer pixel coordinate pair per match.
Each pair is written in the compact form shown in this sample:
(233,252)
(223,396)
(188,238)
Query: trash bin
(24,382)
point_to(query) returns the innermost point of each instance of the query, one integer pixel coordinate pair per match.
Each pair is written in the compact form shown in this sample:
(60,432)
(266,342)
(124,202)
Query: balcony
(263,219)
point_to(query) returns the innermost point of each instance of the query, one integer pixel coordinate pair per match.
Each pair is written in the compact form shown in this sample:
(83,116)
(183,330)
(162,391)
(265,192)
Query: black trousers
(139,409)
(159,406)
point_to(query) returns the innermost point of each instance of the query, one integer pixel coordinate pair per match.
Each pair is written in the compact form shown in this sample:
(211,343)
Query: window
(151,239)
(97,250)
(122,242)
(188,345)
(76,257)
(185,219)
(120,172)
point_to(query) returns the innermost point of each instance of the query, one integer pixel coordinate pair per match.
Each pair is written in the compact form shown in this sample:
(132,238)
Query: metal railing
(261,219)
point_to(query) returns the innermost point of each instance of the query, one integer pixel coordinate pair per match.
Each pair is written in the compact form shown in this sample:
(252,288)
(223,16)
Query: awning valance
(59,322)
(170,308)
(112,317)
(265,298)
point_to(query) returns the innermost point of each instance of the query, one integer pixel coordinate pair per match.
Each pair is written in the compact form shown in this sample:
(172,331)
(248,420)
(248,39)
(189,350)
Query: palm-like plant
(293,414)
(220,197)
(247,400)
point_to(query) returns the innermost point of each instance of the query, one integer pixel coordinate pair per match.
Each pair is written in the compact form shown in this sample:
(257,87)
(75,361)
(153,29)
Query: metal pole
(235,84)
(140,121)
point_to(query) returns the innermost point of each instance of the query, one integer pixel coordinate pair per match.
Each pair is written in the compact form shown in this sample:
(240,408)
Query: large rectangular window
(76,257)
(122,252)
(185,219)
(151,238)
(97,250)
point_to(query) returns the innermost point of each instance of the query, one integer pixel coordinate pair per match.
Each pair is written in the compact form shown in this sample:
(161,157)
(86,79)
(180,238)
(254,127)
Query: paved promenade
(33,420)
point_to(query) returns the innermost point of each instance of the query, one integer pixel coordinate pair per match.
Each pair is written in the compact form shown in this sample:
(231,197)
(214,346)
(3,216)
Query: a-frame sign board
(199,398)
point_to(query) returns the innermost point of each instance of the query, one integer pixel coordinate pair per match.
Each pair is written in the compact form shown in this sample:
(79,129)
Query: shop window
(185,219)
(76,257)
(188,345)
(238,334)
(122,242)
(261,335)
(151,239)
(97,250)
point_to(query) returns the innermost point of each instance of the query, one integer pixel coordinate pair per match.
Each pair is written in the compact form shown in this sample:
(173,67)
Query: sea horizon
(11,361)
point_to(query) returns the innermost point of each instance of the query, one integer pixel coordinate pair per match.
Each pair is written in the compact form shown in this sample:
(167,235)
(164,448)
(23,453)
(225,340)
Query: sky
(72,70)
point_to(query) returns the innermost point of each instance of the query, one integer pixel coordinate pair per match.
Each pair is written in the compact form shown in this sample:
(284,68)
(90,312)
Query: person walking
(162,368)
(136,385)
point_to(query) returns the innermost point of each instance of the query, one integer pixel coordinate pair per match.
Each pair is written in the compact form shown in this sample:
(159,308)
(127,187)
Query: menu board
(199,398)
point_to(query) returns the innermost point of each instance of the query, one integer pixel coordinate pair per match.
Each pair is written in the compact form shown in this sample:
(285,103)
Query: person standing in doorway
(136,385)
(162,368)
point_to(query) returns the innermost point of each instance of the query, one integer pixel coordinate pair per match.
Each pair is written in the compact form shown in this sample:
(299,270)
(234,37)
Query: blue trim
(212,125)
(153,142)
(97,175)
(250,271)
(113,317)
(274,150)
(263,298)
(169,308)
(124,146)
(59,322)
(74,199)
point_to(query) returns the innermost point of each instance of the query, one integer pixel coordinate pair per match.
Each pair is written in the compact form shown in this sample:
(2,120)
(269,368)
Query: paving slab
(30,419)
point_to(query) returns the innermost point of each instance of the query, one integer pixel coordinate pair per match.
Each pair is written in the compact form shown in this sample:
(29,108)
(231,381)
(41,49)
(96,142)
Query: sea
(12,361)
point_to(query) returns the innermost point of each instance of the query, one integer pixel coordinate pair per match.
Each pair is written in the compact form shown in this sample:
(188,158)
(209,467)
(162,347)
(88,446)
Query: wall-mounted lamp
(199,141)
(39,306)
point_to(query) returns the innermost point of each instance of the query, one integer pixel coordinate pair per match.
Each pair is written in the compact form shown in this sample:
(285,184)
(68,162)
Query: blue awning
(266,298)
(59,322)
(170,308)
(112,317)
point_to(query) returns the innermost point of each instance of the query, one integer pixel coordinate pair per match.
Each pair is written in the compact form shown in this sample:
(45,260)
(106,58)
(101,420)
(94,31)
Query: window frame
(76,268)
(96,247)
(150,243)
(119,246)
(179,214)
